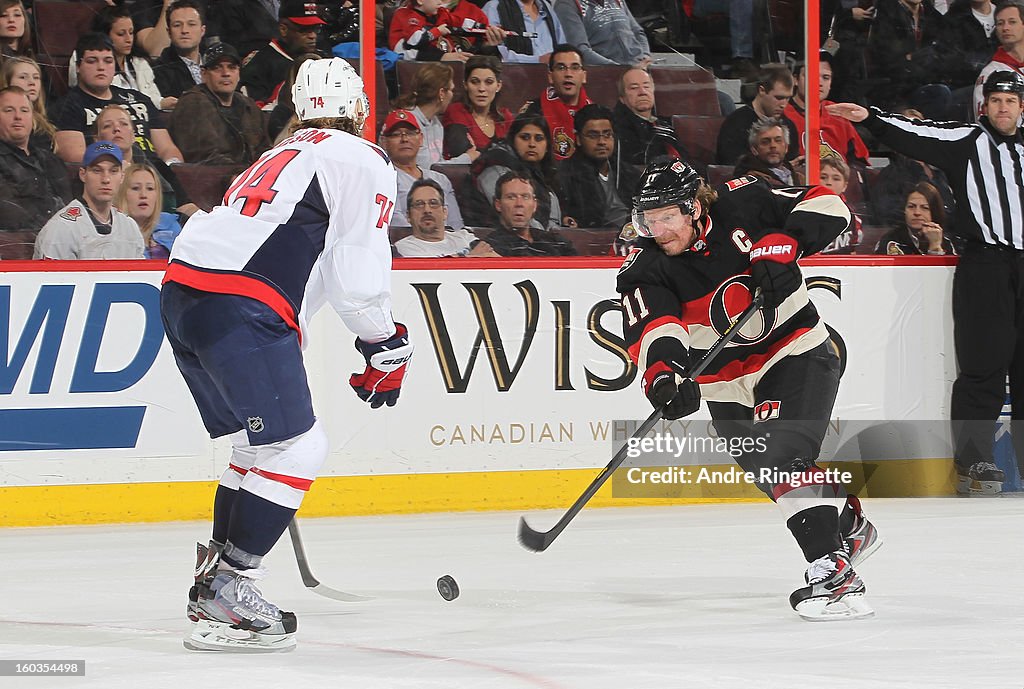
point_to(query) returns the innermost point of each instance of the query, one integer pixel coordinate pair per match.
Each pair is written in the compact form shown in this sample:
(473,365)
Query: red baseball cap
(299,12)
(396,118)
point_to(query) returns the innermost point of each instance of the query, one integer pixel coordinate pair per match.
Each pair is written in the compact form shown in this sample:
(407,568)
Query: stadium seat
(58,25)
(699,135)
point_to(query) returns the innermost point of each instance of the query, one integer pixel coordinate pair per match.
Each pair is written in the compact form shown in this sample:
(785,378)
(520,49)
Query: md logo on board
(45,330)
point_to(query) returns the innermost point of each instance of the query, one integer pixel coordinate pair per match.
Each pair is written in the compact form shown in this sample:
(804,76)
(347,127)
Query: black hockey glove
(668,389)
(774,268)
(381,381)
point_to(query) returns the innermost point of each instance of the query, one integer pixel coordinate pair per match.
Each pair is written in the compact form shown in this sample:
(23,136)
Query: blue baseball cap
(98,149)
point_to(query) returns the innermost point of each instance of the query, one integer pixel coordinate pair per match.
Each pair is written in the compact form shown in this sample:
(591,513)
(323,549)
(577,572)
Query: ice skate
(981,478)
(863,540)
(207,559)
(233,615)
(834,591)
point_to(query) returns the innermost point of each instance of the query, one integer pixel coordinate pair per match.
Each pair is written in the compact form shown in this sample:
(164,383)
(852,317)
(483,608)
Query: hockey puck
(447,587)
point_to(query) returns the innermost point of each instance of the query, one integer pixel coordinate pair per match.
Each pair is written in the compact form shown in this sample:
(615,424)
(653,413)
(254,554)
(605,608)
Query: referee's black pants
(988,332)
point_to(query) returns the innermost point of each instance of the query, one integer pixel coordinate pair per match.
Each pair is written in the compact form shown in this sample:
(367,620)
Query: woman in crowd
(526,148)
(133,71)
(478,112)
(921,230)
(430,95)
(140,196)
(15,37)
(24,72)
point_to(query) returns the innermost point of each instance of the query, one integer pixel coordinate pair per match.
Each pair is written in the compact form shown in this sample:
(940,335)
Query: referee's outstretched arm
(942,144)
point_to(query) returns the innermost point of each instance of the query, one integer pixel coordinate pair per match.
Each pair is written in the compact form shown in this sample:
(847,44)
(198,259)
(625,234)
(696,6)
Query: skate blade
(218,636)
(852,606)
(971,488)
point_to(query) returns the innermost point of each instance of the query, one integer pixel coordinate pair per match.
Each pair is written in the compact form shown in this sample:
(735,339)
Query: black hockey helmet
(665,183)
(1004,81)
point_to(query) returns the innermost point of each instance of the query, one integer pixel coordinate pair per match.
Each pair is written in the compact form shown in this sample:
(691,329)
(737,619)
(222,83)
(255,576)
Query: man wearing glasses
(594,194)
(401,138)
(430,239)
(515,199)
(566,95)
(265,71)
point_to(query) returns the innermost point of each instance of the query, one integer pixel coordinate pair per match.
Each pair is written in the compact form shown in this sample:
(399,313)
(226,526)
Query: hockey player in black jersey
(701,255)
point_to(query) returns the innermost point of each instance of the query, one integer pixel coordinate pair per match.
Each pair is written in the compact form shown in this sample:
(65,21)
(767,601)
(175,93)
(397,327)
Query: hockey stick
(538,541)
(310,581)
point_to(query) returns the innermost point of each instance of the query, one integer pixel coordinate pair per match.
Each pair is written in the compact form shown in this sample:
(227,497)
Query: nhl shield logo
(255,423)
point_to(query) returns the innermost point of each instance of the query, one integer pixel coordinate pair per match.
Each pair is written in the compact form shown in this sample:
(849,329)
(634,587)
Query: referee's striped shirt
(985,170)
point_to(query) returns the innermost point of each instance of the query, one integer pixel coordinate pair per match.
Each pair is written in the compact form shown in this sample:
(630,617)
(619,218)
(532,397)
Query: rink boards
(519,389)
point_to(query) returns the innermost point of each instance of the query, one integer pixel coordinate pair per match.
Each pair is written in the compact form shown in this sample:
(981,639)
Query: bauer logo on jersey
(255,424)
(769,409)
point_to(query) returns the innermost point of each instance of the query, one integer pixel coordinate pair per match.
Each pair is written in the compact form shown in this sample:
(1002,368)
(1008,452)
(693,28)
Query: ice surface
(692,596)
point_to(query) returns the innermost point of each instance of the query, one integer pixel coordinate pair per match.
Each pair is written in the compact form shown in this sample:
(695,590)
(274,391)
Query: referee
(985,166)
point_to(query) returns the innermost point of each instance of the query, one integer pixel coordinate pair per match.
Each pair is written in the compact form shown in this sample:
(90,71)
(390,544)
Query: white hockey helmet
(329,88)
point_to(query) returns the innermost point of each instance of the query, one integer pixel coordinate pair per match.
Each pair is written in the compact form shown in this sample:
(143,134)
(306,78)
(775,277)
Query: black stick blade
(537,541)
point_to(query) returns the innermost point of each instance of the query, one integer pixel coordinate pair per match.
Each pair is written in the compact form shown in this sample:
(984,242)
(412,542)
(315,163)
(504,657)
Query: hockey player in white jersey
(306,224)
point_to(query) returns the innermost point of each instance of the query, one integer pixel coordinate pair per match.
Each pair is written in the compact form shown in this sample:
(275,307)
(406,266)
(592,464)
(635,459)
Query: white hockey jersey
(307,223)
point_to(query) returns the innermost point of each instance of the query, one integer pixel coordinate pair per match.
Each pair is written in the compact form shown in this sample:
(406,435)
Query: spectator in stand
(76,113)
(468,16)
(774,89)
(90,227)
(215,124)
(835,175)
(526,17)
(24,73)
(970,28)
(245,24)
(741,33)
(478,113)
(401,138)
(594,194)
(33,182)
(769,141)
(431,94)
(1010,54)
(114,124)
(516,235)
(15,37)
(153,35)
(527,150)
(283,115)
(430,238)
(837,136)
(264,72)
(899,177)
(132,71)
(566,95)
(850,22)
(140,197)
(605,31)
(921,229)
(177,69)
(426,30)
(642,135)
(905,50)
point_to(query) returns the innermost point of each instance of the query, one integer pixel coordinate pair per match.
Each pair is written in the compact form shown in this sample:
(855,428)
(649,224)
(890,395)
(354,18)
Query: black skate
(834,591)
(863,540)
(981,478)
(233,615)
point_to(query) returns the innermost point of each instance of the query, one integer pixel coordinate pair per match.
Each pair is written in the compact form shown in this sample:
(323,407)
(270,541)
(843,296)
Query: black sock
(816,531)
(256,525)
(222,504)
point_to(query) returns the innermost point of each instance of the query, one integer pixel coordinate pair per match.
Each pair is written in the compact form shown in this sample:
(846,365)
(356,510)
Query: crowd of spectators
(166,83)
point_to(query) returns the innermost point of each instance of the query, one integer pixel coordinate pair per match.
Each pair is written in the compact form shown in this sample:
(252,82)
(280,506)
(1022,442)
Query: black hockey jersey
(690,299)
